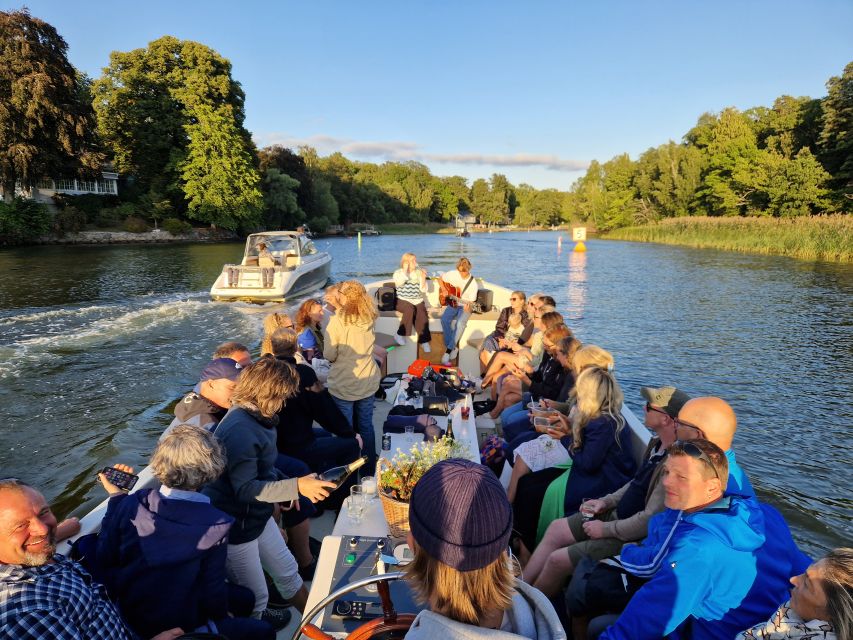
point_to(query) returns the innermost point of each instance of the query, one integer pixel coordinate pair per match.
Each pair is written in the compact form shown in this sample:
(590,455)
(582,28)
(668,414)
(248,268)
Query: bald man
(714,420)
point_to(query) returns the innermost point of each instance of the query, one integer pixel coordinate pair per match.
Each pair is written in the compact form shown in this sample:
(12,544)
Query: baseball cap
(221,368)
(669,399)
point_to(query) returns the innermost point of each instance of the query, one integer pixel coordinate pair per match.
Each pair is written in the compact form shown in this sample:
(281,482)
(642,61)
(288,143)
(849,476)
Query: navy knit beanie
(459,514)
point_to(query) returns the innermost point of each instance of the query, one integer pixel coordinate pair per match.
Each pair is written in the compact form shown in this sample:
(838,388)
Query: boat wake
(49,336)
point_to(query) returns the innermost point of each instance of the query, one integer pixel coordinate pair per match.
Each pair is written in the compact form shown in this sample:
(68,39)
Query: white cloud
(400,151)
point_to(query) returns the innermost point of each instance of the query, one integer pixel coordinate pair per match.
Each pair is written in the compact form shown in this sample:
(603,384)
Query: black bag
(386,297)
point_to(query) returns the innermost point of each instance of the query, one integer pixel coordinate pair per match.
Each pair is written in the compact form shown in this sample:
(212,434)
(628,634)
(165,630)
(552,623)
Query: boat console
(348,560)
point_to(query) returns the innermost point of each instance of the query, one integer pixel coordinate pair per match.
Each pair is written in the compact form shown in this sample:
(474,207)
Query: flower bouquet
(398,477)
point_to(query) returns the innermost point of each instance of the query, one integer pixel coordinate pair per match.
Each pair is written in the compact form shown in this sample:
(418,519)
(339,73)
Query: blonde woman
(354,376)
(598,444)
(462,572)
(272,322)
(251,485)
(410,281)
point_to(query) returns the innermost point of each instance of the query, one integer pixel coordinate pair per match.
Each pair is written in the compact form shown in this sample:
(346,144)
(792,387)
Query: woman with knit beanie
(460,522)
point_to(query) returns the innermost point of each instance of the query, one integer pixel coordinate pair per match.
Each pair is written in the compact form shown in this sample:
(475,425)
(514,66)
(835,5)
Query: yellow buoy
(580,247)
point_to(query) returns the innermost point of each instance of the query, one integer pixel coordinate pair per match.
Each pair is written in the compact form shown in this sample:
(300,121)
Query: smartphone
(541,424)
(119,478)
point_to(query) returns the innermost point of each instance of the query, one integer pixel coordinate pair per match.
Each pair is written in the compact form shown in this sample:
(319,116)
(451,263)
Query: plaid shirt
(56,601)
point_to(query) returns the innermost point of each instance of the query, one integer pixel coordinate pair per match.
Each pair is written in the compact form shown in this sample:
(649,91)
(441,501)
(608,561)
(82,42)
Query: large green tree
(45,128)
(836,138)
(173,117)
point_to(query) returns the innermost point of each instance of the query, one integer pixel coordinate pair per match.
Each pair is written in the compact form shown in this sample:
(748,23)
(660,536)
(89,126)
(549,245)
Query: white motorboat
(293,267)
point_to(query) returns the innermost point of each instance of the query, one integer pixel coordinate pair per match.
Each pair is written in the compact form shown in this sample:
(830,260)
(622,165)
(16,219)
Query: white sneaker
(445,359)
(425,347)
(400,340)
(454,353)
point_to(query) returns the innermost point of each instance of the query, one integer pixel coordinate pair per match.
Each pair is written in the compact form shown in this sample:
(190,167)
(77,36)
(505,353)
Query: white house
(46,188)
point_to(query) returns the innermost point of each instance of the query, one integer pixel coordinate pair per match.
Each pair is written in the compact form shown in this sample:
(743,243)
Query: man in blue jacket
(713,560)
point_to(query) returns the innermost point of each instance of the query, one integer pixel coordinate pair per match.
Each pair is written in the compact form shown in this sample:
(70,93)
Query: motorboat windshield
(277,245)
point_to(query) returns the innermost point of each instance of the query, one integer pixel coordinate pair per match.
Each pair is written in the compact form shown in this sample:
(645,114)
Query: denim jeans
(453,322)
(363,410)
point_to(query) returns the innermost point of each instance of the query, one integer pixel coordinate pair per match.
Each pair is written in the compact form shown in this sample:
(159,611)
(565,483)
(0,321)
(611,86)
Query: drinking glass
(355,504)
(587,513)
(368,488)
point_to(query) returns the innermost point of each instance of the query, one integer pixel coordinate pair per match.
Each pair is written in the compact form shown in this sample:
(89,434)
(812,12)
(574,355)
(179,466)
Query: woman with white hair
(161,552)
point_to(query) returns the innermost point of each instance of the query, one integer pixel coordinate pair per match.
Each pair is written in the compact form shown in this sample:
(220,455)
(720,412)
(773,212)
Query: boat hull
(247,281)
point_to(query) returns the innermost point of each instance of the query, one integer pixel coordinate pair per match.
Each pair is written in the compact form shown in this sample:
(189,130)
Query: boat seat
(291,260)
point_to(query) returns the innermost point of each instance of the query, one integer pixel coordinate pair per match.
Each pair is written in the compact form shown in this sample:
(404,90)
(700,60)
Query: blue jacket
(250,484)
(602,465)
(738,481)
(163,561)
(711,573)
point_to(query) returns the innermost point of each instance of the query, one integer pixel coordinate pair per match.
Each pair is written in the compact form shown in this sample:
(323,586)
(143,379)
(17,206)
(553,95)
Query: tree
(220,182)
(173,117)
(281,208)
(729,144)
(45,130)
(836,138)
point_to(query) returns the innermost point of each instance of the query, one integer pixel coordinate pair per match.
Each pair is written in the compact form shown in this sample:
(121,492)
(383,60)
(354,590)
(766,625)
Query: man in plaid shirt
(44,595)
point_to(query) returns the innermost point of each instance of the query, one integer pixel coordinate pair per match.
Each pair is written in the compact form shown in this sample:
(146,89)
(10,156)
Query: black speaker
(386,297)
(485,298)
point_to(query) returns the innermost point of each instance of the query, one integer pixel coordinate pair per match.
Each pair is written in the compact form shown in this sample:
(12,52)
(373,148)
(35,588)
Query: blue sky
(534,90)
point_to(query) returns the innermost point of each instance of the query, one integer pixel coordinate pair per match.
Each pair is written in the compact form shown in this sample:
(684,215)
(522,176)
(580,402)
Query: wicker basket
(396,511)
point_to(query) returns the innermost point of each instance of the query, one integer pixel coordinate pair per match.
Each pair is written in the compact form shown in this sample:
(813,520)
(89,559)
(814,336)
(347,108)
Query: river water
(96,344)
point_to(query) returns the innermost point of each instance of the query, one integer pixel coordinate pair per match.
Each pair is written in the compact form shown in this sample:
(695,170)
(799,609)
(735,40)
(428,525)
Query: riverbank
(156,236)
(809,238)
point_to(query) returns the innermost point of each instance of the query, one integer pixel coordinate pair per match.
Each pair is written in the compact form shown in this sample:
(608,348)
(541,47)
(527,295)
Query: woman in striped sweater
(410,281)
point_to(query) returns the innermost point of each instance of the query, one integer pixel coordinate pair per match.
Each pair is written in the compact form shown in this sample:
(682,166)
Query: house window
(45,183)
(65,184)
(106,186)
(87,185)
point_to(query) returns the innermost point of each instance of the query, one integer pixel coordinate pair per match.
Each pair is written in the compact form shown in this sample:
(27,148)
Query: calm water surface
(96,343)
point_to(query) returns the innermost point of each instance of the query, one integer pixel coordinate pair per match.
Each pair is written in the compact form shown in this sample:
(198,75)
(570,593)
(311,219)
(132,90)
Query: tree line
(170,117)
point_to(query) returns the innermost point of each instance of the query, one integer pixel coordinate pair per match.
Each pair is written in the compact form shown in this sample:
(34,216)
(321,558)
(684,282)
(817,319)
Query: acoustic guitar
(449,296)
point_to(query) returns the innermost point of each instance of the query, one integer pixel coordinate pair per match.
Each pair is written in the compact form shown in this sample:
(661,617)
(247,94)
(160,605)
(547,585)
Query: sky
(533,90)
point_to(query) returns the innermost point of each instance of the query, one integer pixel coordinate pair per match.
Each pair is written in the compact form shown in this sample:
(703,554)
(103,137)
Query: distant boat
(297,268)
(463,233)
(369,230)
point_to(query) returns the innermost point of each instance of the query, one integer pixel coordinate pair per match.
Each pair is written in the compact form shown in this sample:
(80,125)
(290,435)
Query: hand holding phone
(117,478)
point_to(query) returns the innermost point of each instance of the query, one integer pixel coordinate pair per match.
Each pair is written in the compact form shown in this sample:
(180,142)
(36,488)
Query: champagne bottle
(449,432)
(338,475)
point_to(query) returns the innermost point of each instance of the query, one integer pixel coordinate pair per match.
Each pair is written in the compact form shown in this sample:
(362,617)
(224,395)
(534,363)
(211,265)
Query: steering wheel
(391,626)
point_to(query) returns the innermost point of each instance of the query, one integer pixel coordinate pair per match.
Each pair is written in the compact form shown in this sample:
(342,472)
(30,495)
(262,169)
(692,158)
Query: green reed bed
(809,238)
(404,228)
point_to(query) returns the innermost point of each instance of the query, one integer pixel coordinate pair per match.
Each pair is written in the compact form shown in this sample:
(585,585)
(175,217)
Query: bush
(69,220)
(23,220)
(89,203)
(134,224)
(177,227)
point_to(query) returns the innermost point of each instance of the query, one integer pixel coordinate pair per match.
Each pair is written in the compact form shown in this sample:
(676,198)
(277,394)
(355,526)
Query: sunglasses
(650,407)
(681,423)
(694,451)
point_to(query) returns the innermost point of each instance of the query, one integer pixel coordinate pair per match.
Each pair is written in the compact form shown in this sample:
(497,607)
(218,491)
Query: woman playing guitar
(457,293)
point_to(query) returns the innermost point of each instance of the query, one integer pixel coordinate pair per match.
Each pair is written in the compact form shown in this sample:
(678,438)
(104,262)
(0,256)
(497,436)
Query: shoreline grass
(403,228)
(827,238)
